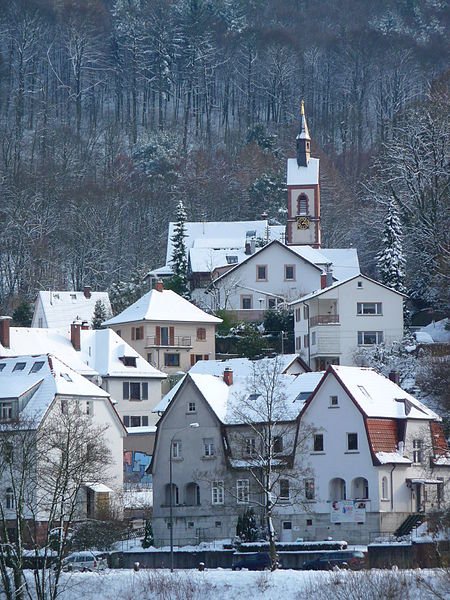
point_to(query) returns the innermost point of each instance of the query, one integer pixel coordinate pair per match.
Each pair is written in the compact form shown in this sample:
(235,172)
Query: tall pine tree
(390,259)
(179,256)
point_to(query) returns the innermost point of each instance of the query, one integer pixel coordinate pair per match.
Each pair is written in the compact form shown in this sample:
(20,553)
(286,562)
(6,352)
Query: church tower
(303,222)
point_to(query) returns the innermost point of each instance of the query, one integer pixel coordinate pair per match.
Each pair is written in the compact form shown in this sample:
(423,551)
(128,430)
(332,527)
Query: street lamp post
(193,425)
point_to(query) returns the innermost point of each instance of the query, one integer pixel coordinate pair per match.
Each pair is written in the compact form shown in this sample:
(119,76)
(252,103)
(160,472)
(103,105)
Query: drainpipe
(309,341)
(392,487)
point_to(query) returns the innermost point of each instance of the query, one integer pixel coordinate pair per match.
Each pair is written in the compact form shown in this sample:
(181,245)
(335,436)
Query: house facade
(333,322)
(34,392)
(371,457)
(60,309)
(170,332)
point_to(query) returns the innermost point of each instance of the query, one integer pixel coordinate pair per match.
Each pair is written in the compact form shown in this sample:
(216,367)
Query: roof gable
(62,308)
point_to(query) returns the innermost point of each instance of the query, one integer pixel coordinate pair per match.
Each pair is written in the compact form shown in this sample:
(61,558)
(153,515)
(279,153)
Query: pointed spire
(303,139)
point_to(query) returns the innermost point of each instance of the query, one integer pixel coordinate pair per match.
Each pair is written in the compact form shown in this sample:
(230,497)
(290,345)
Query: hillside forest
(111,111)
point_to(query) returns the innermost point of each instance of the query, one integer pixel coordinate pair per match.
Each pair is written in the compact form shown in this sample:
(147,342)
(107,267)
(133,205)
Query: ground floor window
(171,360)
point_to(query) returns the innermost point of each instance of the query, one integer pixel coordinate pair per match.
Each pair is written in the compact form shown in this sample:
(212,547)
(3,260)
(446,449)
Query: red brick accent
(440,446)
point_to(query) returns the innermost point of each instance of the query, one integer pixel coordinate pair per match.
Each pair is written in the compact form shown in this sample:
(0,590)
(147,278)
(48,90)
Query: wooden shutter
(206,357)
(192,360)
(171,336)
(158,335)
(133,333)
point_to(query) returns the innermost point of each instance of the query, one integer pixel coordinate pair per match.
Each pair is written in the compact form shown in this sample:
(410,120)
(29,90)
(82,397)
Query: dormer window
(20,366)
(232,260)
(128,361)
(6,410)
(66,377)
(73,297)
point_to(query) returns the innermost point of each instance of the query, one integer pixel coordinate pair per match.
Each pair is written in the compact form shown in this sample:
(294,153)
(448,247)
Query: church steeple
(303,140)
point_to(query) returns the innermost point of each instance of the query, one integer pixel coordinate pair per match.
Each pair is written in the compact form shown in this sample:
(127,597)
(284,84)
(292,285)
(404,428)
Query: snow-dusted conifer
(179,257)
(100,315)
(390,259)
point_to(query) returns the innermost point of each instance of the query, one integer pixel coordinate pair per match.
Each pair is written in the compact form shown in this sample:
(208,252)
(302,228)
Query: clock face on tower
(302,223)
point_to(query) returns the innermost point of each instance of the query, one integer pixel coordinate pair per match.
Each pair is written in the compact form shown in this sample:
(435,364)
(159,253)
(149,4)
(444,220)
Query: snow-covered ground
(223,584)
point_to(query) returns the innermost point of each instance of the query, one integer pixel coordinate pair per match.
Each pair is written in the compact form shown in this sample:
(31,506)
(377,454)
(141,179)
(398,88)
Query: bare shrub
(161,585)
(263,582)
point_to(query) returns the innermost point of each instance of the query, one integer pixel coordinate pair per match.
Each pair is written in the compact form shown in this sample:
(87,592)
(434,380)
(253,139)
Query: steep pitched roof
(162,306)
(226,401)
(62,308)
(46,376)
(100,354)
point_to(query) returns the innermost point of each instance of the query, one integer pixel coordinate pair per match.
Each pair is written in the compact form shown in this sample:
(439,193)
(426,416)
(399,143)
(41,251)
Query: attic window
(232,260)
(364,391)
(66,376)
(128,361)
(303,396)
(20,366)
(253,397)
(251,233)
(73,297)
(2,366)
(360,284)
(37,366)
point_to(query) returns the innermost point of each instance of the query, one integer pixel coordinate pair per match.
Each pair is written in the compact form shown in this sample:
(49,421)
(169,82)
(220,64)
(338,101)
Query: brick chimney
(159,287)
(87,291)
(75,335)
(85,326)
(394,377)
(228,375)
(5,331)
(323,281)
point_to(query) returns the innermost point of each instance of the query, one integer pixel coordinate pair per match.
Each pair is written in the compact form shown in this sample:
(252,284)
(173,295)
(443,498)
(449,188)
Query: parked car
(84,561)
(343,560)
(253,561)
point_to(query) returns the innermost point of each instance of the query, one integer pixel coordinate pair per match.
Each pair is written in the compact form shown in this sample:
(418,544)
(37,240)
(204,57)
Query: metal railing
(177,341)
(324,320)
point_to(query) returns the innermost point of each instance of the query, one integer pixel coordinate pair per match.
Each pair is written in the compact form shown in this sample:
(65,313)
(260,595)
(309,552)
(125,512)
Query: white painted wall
(342,339)
(114,386)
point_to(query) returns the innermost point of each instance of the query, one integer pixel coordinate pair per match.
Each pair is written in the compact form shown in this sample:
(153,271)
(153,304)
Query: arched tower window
(302,204)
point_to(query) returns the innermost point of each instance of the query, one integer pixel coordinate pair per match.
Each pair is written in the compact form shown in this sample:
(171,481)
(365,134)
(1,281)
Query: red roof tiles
(383,434)
(440,446)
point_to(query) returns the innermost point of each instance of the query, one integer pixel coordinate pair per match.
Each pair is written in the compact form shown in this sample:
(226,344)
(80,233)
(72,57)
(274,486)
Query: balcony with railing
(324,320)
(176,341)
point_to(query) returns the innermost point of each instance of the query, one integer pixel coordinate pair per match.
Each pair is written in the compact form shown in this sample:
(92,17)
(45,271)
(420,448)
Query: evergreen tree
(390,259)
(23,315)
(100,315)
(148,535)
(249,528)
(179,257)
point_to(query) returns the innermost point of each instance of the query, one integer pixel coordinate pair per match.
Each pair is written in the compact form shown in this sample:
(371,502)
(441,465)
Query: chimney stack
(5,331)
(75,335)
(87,291)
(85,326)
(323,281)
(228,375)
(329,274)
(159,287)
(394,377)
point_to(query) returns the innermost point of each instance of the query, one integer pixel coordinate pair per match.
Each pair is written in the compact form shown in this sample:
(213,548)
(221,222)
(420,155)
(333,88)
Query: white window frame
(364,309)
(217,492)
(209,447)
(243,491)
(176,449)
(384,488)
(417,451)
(310,488)
(258,278)
(250,446)
(286,267)
(362,341)
(348,442)
(286,483)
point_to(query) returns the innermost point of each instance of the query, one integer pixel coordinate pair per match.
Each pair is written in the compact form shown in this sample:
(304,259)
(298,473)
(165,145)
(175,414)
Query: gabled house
(378,456)
(374,459)
(169,331)
(275,275)
(60,309)
(330,324)
(101,356)
(34,391)
(211,486)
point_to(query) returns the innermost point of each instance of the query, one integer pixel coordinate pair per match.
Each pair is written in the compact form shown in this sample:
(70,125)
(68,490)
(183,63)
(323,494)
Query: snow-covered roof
(392,457)
(242,366)
(378,396)
(48,376)
(344,261)
(62,308)
(218,234)
(437,331)
(303,175)
(227,400)
(100,354)
(162,306)
(205,260)
(336,284)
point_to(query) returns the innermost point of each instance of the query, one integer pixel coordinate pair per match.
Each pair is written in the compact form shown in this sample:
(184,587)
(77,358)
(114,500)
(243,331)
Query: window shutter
(133,333)
(206,357)
(144,390)
(171,336)
(192,360)
(158,335)
(126,390)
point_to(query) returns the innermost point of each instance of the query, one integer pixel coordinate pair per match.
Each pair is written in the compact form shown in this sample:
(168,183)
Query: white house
(168,330)
(373,459)
(276,274)
(60,309)
(34,390)
(333,322)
